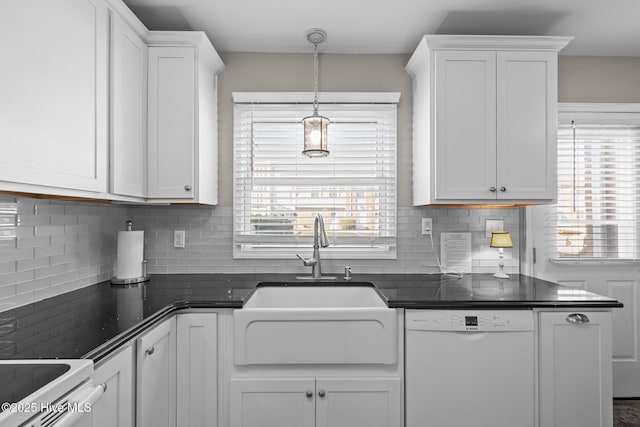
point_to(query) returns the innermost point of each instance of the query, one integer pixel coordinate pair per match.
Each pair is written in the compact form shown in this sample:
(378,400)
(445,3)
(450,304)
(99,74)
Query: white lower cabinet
(115,407)
(197,369)
(575,369)
(319,402)
(273,402)
(345,402)
(156,376)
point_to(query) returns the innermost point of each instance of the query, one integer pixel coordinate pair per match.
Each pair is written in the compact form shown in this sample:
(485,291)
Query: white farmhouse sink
(315,324)
(315,296)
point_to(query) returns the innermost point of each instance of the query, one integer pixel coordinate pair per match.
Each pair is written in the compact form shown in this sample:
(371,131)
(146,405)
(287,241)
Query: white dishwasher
(469,368)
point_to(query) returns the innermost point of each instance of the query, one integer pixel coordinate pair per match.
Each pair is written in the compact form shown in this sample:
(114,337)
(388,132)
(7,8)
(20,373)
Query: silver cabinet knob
(309,394)
(150,350)
(187,188)
(577,318)
(503,189)
(492,189)
(321,393)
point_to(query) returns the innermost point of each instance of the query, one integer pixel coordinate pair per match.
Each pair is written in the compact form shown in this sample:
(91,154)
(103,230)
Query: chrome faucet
(320,239)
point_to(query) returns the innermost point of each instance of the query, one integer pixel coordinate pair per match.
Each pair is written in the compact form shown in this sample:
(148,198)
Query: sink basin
(315,296)
(315,324)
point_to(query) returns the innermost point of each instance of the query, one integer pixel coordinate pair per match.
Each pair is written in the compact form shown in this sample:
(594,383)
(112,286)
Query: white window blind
(598,209)
(278,191)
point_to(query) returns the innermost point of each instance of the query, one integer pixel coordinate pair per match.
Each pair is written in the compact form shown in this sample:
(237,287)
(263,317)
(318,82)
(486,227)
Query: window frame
(247,248)
(601,114)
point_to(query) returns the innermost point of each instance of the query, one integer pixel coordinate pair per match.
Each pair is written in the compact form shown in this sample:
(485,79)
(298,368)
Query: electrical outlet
(178,238)
(427,226)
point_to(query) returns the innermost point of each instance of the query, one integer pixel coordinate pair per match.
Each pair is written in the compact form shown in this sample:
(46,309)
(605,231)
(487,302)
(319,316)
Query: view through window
(598,210)
(278,191)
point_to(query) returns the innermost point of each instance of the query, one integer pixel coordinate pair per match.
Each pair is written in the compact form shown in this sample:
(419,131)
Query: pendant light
(315,126)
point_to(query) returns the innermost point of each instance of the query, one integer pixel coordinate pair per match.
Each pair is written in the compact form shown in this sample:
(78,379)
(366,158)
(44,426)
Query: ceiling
(600,27)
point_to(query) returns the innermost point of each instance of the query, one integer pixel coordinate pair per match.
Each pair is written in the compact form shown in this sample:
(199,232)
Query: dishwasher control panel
(469,320)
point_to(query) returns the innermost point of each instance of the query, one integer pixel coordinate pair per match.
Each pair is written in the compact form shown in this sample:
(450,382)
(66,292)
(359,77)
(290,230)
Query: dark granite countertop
(93,321)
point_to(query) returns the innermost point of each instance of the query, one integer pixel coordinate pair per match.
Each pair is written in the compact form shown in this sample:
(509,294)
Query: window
(278,191)
(598,210)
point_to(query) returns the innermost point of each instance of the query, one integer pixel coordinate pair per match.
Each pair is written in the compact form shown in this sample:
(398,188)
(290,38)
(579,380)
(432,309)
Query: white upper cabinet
(94,105)
(54,82)
(128,110)
(484,119)
(182,122)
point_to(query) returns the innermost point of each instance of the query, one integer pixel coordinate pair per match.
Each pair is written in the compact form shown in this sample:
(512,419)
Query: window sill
(274,252)
(594,261)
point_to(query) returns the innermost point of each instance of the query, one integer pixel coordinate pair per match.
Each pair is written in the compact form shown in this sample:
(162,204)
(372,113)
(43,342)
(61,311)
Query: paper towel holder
(135,280)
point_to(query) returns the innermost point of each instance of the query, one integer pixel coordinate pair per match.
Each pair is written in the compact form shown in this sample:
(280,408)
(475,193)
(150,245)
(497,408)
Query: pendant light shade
(315,135)
(315,126)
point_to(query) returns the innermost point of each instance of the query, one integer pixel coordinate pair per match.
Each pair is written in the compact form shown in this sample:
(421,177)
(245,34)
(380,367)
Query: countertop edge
(106,349)
(507,305)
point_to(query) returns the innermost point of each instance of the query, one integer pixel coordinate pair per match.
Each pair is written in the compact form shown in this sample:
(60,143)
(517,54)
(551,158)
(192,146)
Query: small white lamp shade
(501,239)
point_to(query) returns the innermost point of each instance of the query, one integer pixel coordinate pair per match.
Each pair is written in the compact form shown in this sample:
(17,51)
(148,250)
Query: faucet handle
(308,262)
(347,272)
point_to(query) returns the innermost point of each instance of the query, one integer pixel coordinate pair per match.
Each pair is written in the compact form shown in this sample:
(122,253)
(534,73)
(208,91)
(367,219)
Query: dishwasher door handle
(81,406)
(577,318)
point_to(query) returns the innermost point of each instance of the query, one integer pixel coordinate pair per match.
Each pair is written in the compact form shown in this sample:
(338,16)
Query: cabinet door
(273,402)
(465,125)
(347,402)
(115,407)
(128,110)
(575,370)
(53,81)
(527,122)
(156,376)
(171,122)
(197,369)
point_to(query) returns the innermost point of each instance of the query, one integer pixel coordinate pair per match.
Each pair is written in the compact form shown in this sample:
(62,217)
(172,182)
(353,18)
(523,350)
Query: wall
(269,72)
(49,247)
(598,79)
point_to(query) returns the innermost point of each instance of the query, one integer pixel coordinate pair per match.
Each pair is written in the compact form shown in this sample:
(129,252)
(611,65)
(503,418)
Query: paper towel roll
(130,254)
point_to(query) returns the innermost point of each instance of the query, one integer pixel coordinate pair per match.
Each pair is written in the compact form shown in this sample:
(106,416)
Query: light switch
(178,238)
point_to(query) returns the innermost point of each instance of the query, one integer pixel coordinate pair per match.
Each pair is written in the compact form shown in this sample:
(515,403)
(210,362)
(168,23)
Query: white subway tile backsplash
(209,241)
(32,242)
(45,208)
(15,278)
(32,264)
(55,246)
(7,267)
(53,249)
(49,230)
(32,285)
(6,291)
(49,247)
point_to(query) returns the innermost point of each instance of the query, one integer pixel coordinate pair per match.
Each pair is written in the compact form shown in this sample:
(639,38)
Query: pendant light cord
(315,78)
(573,126)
